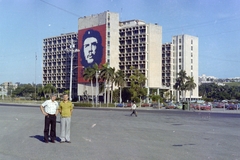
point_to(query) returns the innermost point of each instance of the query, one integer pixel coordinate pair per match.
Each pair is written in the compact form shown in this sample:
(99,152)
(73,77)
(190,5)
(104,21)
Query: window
(191,48)
(191,41)
(173,41)
(191,67)
(180,47)
(180,54)
(191,60)
(180,41)
(180,67)
(191,54)
(180,60)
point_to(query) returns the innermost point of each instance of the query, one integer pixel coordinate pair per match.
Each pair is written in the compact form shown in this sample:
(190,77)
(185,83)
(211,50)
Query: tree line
(212,92)
(108,77)
(32,91)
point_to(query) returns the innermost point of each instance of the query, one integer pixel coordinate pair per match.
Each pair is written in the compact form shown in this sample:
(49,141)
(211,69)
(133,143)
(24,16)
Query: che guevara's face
(90,47)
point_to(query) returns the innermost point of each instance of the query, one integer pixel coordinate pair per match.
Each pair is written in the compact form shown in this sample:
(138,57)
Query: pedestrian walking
(133,108)
(50,110)
(65,109)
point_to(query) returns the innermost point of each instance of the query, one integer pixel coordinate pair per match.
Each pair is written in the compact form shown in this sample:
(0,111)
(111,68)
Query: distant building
(180,54)
(140,47)
(56,62)
(102,38)
(6,88)
(206,79)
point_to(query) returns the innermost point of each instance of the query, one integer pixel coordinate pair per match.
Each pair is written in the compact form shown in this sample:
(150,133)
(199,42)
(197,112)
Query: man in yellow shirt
(65,109)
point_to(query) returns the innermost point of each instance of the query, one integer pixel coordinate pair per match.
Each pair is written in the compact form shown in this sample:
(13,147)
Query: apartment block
(140,47)
(168,65)
(57,62)
(180,54)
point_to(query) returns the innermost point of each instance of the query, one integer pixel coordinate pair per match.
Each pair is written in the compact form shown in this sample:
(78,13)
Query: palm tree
(49,89)
(120,82)
(190,85)
(96,79)
(107,74)
(89,74)
(180,81)
(112,78)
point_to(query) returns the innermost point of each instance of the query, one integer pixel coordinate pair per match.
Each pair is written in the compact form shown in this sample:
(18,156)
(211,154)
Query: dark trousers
(50,120)
(134,112)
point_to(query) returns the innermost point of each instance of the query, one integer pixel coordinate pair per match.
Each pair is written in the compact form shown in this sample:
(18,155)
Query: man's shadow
(41,138)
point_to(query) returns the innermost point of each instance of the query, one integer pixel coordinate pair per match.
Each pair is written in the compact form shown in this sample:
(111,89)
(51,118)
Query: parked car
(232,106)
(170,106)
(215,104)
(221,105)
(121,105)
(128,105)
(145,105)
(202,106)
(178,106)
(156,105)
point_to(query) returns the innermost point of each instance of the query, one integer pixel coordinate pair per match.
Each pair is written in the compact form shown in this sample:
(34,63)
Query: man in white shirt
(50,110)
(134,109)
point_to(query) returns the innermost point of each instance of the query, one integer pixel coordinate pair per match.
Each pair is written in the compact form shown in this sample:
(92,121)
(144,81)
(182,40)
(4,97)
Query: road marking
(93,125)
(89,140)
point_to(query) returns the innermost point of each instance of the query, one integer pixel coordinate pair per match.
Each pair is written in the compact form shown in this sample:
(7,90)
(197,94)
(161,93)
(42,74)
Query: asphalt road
(114,135)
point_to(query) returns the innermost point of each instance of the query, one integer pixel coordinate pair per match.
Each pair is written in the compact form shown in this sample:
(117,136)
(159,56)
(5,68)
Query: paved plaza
(114,135)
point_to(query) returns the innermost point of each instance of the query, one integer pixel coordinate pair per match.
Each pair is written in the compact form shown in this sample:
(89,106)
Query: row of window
(180,41)
(180,48)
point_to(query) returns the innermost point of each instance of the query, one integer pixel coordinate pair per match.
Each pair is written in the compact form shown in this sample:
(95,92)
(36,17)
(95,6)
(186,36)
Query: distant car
(128,105)
(221,105)
(154,105)
(170,106)
(178,106)
(145,105)
(120,105)
(202,106)
(232,106)
(215,104)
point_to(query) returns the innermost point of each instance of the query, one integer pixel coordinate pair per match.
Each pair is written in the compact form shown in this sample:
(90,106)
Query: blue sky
(25,23)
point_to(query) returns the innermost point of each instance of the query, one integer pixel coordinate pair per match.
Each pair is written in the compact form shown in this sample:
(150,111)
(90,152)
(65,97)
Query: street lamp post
(72,49)
(97,87)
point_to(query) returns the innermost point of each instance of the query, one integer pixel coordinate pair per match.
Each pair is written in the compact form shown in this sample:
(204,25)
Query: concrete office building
(181,54)
(56,62)
(140,47)
(101,39)
(103,27)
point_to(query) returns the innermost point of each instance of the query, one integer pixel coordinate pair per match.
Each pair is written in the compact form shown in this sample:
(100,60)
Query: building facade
(98,41)
(57,62)
(103,39)
(140,47)
(180,54)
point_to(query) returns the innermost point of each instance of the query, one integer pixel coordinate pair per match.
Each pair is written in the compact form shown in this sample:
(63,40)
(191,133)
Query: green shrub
(82,104)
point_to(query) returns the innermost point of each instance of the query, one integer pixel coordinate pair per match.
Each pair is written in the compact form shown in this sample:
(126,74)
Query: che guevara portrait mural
(91,42)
